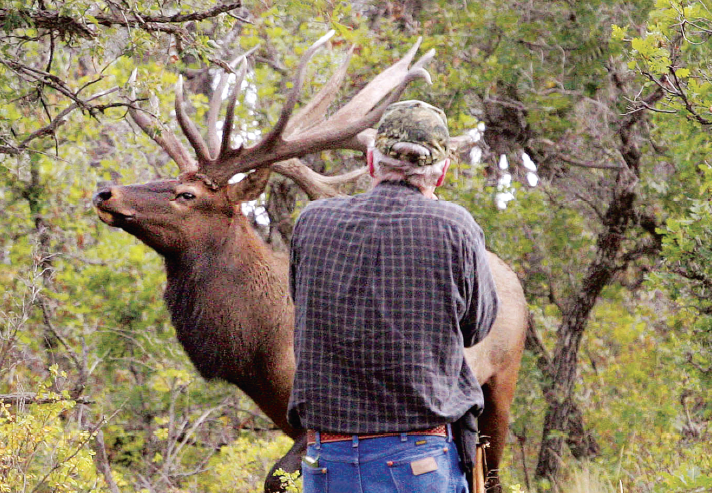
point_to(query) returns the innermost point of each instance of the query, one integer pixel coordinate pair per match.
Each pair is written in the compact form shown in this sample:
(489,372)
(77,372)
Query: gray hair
(388,168)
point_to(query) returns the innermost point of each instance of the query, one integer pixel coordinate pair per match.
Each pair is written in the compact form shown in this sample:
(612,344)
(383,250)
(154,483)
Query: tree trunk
(564,365)
(619,216)
(581,442)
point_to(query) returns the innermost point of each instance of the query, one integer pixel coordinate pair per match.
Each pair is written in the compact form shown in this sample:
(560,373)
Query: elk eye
(186,196)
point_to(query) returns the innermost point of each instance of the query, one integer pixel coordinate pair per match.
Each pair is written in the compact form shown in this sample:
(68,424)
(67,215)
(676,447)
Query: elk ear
(250,187)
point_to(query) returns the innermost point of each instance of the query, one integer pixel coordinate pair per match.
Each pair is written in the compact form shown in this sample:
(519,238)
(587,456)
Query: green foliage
(290,481)
(673,54)
(243,465)
(683,130)
(39,450)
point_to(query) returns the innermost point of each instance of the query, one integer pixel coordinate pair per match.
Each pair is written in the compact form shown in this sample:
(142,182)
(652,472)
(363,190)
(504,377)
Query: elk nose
(102,196)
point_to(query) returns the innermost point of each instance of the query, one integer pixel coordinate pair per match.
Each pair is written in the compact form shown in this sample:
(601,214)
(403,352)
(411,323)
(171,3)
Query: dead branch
(59,120)
(71,27)
(102,461)
(22,398)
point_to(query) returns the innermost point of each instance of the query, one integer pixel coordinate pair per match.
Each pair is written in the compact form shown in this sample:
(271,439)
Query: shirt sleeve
(484,302)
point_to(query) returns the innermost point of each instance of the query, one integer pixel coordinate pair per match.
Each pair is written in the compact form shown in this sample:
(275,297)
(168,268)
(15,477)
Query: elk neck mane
(227,303)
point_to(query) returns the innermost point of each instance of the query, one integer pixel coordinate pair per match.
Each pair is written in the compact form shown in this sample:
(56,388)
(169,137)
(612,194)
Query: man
(389,286)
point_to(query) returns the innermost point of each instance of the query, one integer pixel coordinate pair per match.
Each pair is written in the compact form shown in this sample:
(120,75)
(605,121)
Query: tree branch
(20,398)
(173,19)
(102,461)
(59,120)
(69,26)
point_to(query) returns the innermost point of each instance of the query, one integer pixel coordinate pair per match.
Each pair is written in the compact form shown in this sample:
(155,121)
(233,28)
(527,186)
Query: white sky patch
(478,132)
(505,182)
(530,166)
(501,199)
(532,179)
(474,134)
(527,162)
(236,178)
(250,91)
(253,207)
(505,191)
(475,155)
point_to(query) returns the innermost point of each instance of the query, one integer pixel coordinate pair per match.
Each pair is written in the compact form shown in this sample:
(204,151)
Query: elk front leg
(291,462)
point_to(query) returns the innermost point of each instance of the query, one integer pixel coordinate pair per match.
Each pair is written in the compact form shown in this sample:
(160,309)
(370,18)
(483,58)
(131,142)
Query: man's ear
(250,187)
(442,177)
(369,160)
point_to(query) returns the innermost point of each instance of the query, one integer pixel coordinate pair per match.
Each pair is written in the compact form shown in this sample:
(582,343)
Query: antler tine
(337,134)
(315,185)
(213,113)
(196,141)
(163,137)
(218,149)
(278,129)
(381,85)
(313,113)
(230,112)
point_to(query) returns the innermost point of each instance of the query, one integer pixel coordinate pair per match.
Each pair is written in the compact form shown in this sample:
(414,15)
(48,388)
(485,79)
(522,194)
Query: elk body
(227,291)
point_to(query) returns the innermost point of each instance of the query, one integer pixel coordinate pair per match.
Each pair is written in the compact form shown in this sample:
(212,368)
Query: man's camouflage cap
(415,122)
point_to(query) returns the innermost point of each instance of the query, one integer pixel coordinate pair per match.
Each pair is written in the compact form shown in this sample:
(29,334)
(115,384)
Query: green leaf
(618,33)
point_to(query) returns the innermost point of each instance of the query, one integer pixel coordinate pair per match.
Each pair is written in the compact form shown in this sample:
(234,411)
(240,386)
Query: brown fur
(227,293)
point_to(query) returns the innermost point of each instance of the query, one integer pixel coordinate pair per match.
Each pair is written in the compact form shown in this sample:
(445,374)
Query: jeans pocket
(425,471)
(315,479)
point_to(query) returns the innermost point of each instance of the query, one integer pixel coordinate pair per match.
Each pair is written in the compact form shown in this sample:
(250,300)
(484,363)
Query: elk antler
(309,131)
(168,141)
(291,137)
(163,136)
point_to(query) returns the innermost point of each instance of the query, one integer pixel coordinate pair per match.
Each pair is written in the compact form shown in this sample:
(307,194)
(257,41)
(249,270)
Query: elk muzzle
(107,201)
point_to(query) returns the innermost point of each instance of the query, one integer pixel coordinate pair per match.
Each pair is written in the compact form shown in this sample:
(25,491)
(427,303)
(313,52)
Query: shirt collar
(398,184)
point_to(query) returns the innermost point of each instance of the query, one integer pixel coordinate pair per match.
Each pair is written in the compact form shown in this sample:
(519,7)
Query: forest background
(591,179)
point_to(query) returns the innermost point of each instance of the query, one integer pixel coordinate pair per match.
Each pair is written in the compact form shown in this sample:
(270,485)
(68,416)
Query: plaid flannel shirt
(389,287)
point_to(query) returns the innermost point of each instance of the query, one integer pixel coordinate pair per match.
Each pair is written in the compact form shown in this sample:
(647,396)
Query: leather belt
(327,437)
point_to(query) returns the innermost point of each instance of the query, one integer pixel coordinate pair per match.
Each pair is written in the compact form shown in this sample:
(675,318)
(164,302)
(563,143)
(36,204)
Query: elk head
(195,209)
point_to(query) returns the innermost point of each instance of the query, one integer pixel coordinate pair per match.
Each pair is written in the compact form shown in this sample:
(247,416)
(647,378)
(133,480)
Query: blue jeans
(402,464)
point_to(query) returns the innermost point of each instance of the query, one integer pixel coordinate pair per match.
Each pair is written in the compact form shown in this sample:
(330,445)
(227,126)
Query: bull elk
(227,292)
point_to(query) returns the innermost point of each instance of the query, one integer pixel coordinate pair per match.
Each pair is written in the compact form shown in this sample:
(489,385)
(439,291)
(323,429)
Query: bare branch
(69,26)
(61,117)
(140,20)
(79,446)
(21,398)
(586,164)
(102,461)
(50,326)
(50,20)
